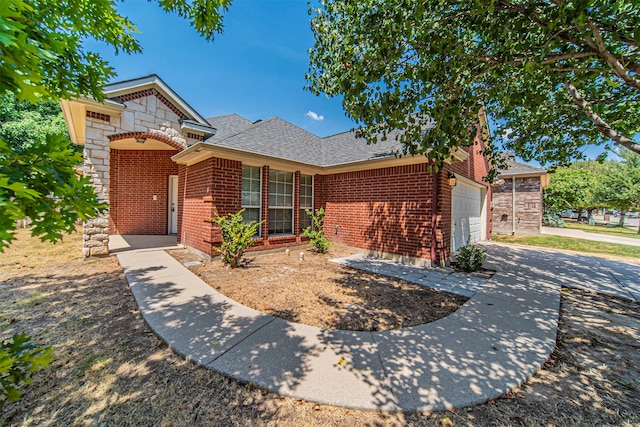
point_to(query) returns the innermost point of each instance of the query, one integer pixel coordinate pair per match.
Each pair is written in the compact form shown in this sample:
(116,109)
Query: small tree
(237,237)
(315,233)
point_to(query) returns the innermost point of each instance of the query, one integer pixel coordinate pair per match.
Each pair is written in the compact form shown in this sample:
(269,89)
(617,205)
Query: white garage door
(466,214)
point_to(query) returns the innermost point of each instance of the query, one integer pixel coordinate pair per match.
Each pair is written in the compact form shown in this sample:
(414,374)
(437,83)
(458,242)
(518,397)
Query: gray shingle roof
(228,125)
(279,138)
(345,148)
(517,168)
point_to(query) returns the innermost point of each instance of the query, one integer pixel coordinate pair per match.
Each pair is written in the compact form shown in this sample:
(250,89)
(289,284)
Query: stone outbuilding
(517,199)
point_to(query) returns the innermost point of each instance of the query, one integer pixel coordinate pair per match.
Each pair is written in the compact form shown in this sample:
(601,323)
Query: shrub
(316,235)
(552,220)
(237,237)
(18,359)
(470,258)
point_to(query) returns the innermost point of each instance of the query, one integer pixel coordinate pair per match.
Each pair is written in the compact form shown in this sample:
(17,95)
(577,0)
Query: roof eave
(204,150)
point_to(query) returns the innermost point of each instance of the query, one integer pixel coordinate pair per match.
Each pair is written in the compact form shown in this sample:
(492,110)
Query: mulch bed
(320,293)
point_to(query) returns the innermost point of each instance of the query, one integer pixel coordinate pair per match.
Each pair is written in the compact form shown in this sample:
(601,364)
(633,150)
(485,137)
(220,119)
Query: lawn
(610,250)
(602,229)
(110,368)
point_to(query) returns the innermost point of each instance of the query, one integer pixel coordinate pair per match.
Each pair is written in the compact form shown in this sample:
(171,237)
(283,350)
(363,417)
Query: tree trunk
(622,214)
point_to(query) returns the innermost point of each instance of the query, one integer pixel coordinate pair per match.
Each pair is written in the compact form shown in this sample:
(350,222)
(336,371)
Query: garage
(467,213)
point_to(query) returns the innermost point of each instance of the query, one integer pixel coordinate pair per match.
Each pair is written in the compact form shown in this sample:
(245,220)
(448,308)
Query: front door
(173,204)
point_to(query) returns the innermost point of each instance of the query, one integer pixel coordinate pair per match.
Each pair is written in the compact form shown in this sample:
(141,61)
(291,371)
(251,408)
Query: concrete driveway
(586,272)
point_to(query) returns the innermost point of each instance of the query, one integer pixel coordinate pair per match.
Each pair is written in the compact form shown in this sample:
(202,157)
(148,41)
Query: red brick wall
(136,176)
(213,185)
(528,218)
(386,210)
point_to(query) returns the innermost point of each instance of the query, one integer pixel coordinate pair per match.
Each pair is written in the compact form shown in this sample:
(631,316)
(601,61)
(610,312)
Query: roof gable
(153,85)
(517,168)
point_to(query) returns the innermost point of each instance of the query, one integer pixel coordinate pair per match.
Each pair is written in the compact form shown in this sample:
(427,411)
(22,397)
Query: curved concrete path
(490,345)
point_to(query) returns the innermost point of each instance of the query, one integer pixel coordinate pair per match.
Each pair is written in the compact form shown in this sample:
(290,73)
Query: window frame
(274,208)
(302,208)
(259,206)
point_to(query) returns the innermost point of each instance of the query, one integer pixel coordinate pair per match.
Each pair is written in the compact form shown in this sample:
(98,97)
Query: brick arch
(154,135)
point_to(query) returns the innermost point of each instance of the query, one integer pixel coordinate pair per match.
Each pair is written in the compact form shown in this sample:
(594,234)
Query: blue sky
(256,68)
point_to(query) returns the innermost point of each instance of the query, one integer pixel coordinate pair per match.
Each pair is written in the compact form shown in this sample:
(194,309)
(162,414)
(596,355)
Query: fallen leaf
(250,385)
(316,407)
(214,343)
(341,361)
(446,422)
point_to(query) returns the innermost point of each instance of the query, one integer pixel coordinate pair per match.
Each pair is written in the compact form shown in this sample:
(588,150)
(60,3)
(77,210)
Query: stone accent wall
(528,218)
(145,115)
(96,166)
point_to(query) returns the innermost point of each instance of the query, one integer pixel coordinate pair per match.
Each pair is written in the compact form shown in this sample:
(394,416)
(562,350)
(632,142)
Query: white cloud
(314,116)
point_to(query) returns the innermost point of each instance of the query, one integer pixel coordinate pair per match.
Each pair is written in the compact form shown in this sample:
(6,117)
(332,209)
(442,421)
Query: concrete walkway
(580,234)
(492,344)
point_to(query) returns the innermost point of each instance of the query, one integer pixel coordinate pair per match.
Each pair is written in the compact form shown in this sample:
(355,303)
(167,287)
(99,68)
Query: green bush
(237,237)
(552,220)
(18,359)
(315,233)
(470,258)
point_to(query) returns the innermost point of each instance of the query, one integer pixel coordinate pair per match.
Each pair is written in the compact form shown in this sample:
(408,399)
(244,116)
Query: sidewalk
(490,345)
(580,234)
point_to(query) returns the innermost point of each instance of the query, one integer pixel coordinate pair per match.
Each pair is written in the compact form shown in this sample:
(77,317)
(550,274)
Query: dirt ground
(320,293)
(110,369)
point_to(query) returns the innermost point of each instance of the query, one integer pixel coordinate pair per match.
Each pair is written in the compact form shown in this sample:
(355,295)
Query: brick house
(164,169)
(517,199)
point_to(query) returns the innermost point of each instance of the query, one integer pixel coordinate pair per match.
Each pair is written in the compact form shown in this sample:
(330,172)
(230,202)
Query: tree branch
(613,62)
(602,126)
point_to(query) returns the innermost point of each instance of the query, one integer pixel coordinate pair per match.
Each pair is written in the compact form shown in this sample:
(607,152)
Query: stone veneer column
(96,166)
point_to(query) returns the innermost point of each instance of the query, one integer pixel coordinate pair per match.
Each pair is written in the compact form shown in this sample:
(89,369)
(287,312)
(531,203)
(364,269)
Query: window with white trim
(280,202)
(306,200)
(251,192)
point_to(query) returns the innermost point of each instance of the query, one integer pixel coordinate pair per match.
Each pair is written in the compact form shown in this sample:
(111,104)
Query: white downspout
(513,205)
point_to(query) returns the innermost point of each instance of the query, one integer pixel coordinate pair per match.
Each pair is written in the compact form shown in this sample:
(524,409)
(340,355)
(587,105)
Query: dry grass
(110,369)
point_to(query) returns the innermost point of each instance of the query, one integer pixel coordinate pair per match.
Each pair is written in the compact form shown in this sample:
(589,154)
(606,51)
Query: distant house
(517,201)
(165,169)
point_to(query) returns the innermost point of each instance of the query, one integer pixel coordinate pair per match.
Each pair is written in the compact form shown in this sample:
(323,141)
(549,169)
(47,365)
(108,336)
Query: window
(251,194)
(280,202)
(306,200)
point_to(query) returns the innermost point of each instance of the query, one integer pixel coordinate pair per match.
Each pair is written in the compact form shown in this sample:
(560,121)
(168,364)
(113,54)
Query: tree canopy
(553,75)
(37,176)
(41,42)
(42,59)
(587,185)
